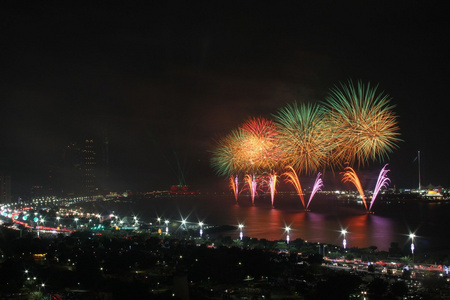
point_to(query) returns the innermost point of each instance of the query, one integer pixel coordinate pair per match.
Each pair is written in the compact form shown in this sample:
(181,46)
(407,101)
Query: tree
(349,256)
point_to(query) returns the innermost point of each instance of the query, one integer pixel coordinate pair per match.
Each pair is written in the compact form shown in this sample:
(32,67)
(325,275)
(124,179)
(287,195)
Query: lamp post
(344,241)
(241,234)
(167,226)
(200,224)
(412,236)
(287,229)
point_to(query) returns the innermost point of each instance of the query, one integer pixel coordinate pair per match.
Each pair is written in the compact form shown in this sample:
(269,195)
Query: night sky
(164,81)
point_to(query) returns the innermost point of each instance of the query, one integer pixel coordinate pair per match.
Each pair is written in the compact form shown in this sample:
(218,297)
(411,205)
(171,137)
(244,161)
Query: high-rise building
(85,169)
(88,167)
(5,188)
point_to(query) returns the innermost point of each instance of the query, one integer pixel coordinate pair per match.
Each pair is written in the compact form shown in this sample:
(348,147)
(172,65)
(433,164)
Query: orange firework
(292,178)
(273,185)
(234,185)
(260,149)
(349,175)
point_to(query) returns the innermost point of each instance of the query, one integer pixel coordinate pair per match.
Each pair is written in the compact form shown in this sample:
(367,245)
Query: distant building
(88,167)
(85,170)
(5,188)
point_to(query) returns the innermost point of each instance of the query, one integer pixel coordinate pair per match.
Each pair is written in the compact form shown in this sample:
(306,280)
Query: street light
(412,236)
(241,234)
(287,229)
(167,226)
(200,224)
(344,241)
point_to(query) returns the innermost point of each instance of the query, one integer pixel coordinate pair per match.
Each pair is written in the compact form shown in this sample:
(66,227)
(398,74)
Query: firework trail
(272,186)
(350,176)
(318,184)
(292,178)
(363,123)
(234,185)
(251,183)
(383,181)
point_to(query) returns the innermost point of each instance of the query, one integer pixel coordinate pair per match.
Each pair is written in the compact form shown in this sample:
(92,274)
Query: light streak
(292,178)
(350,176)
(272,185)
(318,184)
(383,181)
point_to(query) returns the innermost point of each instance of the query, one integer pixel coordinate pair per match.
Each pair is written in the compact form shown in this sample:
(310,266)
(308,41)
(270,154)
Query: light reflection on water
(390,223)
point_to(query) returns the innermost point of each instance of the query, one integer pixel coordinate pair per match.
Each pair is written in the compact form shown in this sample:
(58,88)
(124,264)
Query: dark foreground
(119,265)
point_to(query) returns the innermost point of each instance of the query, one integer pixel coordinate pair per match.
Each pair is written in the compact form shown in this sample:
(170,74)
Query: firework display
(355,125)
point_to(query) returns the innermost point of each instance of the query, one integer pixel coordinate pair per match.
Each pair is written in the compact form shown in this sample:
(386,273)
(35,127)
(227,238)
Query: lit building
(88,166)
(5,189)
(85,170)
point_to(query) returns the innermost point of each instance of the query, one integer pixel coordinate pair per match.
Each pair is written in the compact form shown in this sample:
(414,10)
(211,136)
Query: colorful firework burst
(363,122)
(261,151)
(305,136)
(227,158)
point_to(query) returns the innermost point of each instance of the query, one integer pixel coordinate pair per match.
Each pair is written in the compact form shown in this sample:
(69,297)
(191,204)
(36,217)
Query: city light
(200,224)
(287,229)
(412,236)
(344,241)
(241,234)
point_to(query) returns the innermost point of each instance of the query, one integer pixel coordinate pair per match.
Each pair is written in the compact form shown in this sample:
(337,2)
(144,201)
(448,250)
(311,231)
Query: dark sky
(162,81)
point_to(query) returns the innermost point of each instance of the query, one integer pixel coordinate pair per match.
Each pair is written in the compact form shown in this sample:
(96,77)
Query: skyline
(174,77)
